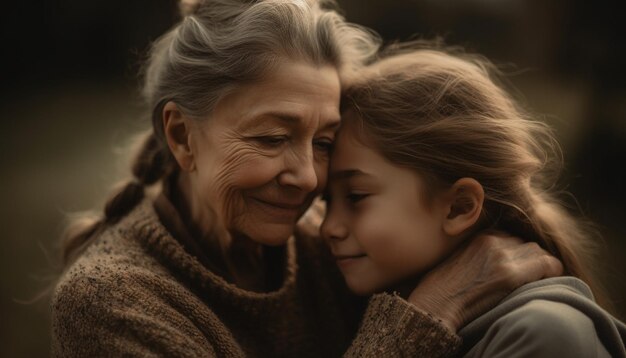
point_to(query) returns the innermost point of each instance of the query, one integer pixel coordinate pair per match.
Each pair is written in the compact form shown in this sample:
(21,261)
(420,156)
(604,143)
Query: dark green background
(69,106)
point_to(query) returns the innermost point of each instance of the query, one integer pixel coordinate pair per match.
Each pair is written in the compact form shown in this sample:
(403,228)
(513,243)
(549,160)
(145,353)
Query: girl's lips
(341,257)
(348,260)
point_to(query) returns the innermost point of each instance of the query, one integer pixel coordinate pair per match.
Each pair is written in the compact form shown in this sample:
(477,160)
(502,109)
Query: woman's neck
(256,267)
(237,258)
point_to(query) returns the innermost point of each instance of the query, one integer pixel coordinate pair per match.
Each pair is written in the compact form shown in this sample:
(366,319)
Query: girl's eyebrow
(348,173)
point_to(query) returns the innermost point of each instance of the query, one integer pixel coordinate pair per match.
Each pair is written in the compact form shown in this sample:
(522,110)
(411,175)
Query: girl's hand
(475,278)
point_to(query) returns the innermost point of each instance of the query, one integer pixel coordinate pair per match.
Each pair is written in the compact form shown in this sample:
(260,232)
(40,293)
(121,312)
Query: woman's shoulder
(550,317)
(116,289)
(112,308)
(117,260)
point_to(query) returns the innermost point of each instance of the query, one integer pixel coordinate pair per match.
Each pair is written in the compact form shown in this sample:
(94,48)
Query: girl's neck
(405,287)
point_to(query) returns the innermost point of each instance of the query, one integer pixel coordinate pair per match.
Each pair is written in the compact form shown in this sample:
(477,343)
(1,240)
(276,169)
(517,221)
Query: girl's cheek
(373,233)
(384,238)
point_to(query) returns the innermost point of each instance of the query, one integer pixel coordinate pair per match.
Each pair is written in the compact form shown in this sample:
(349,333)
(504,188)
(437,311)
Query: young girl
(432,150)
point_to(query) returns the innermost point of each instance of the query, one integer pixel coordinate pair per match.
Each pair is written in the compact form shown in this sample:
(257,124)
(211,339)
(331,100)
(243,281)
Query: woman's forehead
(293,94)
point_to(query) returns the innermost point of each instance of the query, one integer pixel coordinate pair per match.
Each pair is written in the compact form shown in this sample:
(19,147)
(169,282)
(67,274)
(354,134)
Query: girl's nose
(333,228)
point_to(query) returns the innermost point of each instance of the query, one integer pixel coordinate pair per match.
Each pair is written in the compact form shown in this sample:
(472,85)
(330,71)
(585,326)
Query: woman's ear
(465,205)
(177,130)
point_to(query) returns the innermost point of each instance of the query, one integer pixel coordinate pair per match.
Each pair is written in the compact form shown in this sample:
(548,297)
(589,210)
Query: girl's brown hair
(443,114)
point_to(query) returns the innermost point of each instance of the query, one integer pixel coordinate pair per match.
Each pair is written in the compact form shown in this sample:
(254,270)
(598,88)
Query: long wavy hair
(445,114)
(217,46)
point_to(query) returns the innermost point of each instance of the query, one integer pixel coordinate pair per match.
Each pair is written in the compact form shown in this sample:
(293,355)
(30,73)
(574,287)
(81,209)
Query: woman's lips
(283,209)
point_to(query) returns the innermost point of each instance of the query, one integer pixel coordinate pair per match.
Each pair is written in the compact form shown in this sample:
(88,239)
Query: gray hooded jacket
(555,317)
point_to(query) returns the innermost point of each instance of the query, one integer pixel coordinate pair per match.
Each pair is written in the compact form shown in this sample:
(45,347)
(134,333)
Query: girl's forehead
(352,133)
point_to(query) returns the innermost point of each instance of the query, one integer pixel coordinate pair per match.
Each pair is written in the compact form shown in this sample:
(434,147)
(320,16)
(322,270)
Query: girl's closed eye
(356,197)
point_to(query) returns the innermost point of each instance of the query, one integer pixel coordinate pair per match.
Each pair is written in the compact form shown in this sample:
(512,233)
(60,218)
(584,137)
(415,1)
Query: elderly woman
(245,104)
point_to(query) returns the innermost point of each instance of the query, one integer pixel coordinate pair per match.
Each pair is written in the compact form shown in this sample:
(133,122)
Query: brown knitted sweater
(136,291)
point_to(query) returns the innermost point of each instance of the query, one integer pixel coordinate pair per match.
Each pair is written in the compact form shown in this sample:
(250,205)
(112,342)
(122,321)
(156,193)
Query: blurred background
(70,104)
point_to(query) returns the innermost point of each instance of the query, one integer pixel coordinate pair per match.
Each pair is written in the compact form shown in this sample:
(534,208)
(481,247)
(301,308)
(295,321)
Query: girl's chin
(361,289)
(362,292)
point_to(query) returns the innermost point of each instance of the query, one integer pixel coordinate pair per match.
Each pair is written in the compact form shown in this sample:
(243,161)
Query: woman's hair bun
(189,7)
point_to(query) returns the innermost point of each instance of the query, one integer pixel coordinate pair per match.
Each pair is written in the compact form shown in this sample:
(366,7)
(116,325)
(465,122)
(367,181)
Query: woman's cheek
(255,172)
(247,168)
(241,169)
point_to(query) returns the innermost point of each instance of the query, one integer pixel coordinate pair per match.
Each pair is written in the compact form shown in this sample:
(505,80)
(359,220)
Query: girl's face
(379,225)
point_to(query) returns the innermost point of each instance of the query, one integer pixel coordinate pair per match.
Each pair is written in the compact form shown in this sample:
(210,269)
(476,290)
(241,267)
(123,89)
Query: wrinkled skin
(481,274)
(262,155)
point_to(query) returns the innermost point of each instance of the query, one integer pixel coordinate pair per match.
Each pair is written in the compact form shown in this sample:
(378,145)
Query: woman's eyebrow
(333,124)
(287,119)
(262,119)
(290,119)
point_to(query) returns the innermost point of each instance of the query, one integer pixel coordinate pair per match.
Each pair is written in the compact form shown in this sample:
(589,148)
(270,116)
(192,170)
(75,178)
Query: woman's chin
(271,234)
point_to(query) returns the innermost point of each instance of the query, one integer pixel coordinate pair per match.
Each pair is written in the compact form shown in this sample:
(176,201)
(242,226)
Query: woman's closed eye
(324,145)
(272,141)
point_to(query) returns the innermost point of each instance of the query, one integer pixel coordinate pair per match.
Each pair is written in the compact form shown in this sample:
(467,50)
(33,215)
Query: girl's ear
(464,206)
(177,130)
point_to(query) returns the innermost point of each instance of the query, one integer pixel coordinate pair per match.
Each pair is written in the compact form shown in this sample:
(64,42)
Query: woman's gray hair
(220,44)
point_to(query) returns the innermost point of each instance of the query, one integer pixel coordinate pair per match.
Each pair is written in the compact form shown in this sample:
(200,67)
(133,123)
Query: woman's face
(263,154)
(378,225)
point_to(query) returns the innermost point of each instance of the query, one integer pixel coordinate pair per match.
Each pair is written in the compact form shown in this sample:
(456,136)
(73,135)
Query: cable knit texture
(135,291)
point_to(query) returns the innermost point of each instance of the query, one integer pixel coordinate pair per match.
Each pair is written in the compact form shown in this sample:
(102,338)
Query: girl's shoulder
(550,317)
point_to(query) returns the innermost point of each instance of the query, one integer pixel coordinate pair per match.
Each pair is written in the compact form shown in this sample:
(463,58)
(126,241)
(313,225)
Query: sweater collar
(144,224)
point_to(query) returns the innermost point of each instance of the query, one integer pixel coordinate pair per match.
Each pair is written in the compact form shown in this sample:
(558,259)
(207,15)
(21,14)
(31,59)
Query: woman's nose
(300,172)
